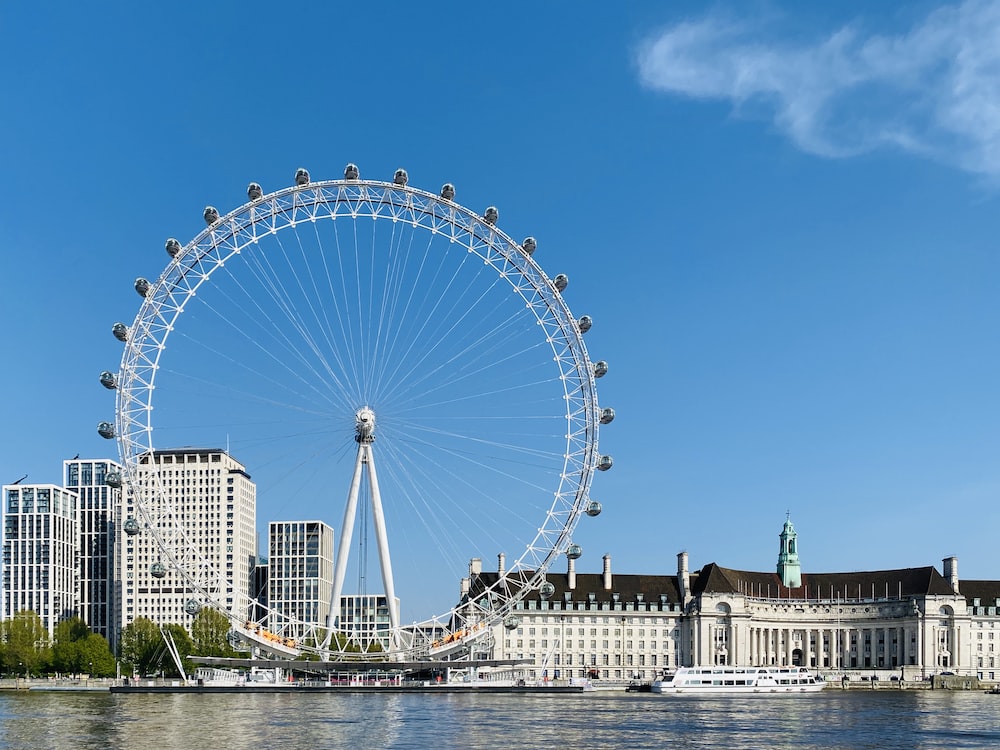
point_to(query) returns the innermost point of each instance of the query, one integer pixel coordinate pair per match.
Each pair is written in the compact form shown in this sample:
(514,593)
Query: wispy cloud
(932,90)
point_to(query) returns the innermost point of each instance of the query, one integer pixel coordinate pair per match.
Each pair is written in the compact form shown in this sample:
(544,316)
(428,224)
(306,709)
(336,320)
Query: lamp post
(90,670)
(20,668)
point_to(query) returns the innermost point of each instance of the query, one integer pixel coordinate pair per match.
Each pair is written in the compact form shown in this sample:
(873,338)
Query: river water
(834,719)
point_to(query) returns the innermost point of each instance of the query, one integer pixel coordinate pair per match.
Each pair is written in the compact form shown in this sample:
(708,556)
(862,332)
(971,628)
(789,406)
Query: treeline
(26,650)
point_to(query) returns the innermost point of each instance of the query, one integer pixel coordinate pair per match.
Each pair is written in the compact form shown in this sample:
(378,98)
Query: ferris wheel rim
(141,357)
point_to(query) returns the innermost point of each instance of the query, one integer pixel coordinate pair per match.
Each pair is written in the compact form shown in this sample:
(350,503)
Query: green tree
(26,645)
(96,657)
(76,649)
(210,631)
(66,645)
(140,645)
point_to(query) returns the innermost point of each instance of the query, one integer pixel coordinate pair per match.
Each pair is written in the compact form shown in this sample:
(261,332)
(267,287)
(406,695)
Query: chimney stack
(950,565)
(501,564)
(475,567)
(607,573)
(683,577)
(571,573)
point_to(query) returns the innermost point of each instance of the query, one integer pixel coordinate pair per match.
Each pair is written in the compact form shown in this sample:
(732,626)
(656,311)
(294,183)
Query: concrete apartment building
(216,498)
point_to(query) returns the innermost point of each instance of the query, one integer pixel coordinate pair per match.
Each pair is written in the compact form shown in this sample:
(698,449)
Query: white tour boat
(711,680)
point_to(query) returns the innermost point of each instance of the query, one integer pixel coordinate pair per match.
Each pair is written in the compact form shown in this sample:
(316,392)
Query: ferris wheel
(332,327)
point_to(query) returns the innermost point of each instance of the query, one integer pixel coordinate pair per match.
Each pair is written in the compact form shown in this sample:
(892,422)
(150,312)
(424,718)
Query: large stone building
(912,622)
(213,495)
(40,541)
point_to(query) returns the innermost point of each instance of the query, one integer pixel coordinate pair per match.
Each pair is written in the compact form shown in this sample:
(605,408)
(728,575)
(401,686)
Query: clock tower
(789,569)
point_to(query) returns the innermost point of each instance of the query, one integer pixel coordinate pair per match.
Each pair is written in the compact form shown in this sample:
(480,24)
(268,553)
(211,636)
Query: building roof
(872,584)
(987,592)
(652,587)
(185,450)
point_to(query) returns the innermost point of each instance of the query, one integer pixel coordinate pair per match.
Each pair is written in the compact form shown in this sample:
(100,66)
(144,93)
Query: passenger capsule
(120,330)
(106,430)
(173,247)
(158,570)
(512,622)
(400,177)
(142,286)
(529,245)
(574,551)
(131,526)
(211,215)
(113,479)
(351,172)
(301,176)
(585,323)
(108,380)
(254,191)
(607,415)
(491,215)
(605,463)
(600,369)
(546,590)
(561,282)
(191,606)
(593,508)
(448,191)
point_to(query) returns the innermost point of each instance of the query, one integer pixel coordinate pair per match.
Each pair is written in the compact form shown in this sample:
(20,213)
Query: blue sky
(781,217)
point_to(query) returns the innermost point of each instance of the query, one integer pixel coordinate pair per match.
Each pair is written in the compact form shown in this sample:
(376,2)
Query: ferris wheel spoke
(447,495)
(484,354)
(271,342)
(269,278)
(399,302)
(431,320)
(448,528)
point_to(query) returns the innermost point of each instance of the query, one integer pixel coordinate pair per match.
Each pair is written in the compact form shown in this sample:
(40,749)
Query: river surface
(830,720)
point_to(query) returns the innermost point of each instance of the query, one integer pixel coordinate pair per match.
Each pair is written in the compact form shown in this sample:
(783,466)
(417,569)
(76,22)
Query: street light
(90,670)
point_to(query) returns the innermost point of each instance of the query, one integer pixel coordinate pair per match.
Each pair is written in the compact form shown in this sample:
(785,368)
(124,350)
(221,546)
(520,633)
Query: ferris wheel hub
(364,425)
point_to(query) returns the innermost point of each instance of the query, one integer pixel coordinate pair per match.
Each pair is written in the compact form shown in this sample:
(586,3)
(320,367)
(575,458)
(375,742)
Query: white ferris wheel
(332,327)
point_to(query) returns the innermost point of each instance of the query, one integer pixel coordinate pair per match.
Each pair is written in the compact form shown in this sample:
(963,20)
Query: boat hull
(724,690)
(740,681)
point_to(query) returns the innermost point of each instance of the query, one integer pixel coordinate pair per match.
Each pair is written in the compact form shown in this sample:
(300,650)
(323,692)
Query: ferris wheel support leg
(344,548)
(378,517)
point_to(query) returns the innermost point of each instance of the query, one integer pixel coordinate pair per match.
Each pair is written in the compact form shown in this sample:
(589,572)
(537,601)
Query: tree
(76,649)
(210,633)
(66,645)
(140,642)
(26,643)
(96,656)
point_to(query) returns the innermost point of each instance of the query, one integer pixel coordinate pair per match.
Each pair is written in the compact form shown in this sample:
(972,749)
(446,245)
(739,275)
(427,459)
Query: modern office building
(912,622)
(40,539)
(364,618)
(213,496)
(299,574)
(96,504)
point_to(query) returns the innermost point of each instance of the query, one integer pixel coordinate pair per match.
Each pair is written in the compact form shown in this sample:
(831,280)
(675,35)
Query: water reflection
(829,721)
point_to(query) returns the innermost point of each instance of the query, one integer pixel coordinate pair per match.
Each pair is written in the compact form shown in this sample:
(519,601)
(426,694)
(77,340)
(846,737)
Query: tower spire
(789,569)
